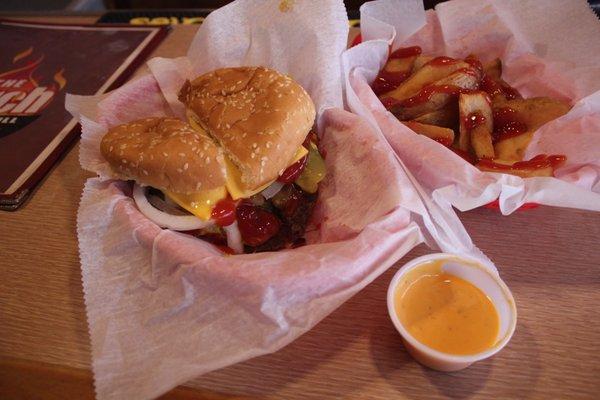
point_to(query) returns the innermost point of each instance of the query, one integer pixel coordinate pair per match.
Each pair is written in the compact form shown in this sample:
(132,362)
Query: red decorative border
(495,205)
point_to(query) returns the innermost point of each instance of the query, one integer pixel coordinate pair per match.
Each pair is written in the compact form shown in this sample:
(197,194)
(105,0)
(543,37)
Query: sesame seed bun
(259,116)
(165,153)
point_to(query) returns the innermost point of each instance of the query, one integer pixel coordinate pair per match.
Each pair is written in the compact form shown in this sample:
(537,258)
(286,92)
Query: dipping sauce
(445,312)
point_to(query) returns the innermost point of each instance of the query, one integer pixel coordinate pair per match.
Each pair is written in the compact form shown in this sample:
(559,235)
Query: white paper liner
(547,49)
(164,307)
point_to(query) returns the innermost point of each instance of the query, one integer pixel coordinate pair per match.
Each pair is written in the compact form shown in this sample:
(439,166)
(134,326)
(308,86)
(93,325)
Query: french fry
(499,90)
(430,99)
(532,173)
(516,168)
(513,148)
(420,61)
(400,65)
(481,141)
(522,172)
(465,78)
(493,69)
(534,113)
(446,116)
(434,102)
(395,71)
(437,133)
(426,75)
(475,124)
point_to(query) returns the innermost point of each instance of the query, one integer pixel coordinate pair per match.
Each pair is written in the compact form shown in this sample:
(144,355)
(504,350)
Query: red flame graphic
(24,79)
(27,72)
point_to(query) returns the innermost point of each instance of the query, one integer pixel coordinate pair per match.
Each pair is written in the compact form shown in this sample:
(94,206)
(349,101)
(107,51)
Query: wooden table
(549,257)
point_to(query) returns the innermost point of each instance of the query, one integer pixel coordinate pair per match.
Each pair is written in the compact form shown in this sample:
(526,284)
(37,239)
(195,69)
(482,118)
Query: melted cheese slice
(234,178)
(301,152)
(200,204)
(313,173)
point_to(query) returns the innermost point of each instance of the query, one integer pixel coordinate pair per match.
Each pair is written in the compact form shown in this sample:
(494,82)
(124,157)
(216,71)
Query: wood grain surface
(549,257)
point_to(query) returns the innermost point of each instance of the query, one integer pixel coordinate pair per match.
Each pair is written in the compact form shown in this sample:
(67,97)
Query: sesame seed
(145,172)
(165,154)
(185,166)
(179,170)
(181,154)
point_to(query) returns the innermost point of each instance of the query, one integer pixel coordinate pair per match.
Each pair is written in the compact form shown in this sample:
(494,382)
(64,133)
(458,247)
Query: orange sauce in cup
(445,312)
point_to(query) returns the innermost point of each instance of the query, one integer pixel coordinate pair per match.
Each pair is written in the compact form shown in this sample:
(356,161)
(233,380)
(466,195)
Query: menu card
(39,63)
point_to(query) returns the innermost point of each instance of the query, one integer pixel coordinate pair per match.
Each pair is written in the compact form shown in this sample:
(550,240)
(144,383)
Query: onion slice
(272,189)
(163,219)
(234,238)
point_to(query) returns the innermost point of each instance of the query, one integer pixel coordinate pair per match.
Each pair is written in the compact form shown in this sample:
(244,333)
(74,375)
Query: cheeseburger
(242,172)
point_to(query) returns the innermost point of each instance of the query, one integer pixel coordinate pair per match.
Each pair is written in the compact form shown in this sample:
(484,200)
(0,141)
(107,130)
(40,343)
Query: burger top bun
(259,117)
(165,153)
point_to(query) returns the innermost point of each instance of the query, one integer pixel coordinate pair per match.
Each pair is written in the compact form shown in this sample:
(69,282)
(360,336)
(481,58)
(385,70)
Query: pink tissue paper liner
(547,49)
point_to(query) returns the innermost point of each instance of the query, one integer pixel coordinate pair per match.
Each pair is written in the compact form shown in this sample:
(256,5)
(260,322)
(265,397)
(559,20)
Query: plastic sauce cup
(475,272)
